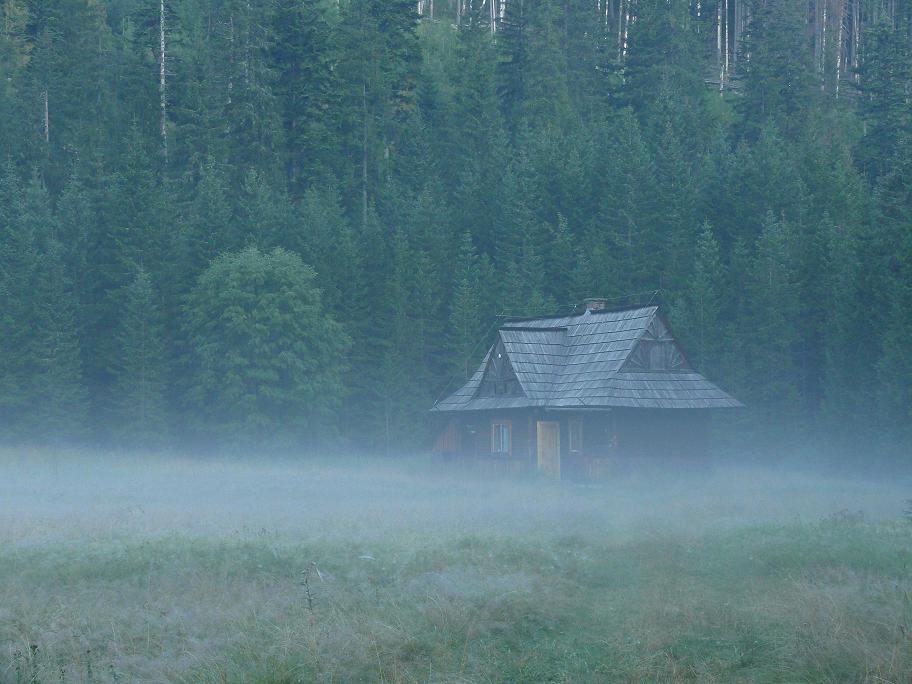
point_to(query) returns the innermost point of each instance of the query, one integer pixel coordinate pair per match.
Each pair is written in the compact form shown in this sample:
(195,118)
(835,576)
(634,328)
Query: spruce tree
(895,366)
(775,305)
(546,100)
(58,395)
(561,268)
(514,48)
(846,394)
(779,81)
(465,324)
(660,81)
(698,312)
(78,222)
(265,213)
(18,283)
(400,363)
(139,367)
(885,80)
(626,216)
(323,236)
(476,145)
(304,52)
(210,228)
(677,223)
(252,113)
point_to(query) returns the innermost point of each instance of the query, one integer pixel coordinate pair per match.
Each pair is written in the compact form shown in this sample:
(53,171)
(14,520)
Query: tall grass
(169,570)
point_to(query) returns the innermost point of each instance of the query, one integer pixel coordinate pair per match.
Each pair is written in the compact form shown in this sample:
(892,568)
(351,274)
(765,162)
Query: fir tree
(210,228)
(252,115)
(780,84)
(18,283)
(845,391)
(660,83)
(265,213)
(513,65)
(304,52)
(895,366)
(465,310)
(139,367)
(57,394)
(401,381)
(775,336)
(698,313)
(885,81)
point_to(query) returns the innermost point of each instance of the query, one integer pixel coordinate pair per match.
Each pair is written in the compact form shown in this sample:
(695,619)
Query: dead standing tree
(162,79)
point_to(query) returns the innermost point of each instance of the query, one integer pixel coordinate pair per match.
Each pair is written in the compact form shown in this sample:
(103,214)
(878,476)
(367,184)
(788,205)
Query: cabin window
(500,437)
(508,388)
(576,434)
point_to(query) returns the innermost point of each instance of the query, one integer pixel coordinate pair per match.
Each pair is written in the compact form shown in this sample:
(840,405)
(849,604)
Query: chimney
(595,303)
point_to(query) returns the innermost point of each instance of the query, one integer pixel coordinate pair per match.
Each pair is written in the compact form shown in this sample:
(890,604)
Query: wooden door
(548,433)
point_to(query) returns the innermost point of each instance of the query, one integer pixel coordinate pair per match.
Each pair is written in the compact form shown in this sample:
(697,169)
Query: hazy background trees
(401,180)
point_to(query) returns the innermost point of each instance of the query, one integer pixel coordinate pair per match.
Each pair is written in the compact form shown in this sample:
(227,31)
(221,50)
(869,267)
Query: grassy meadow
(167,569)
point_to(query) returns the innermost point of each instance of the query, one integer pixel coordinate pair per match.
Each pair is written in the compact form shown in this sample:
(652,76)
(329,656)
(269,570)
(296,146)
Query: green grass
(823,598)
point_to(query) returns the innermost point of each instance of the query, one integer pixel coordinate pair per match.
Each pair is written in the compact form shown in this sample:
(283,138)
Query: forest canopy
(221,218)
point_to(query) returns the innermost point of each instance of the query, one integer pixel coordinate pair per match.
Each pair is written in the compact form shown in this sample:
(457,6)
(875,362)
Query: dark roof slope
(579,362)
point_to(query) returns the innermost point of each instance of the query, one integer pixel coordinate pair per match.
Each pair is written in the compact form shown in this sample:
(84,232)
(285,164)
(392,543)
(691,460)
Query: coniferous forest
(299,220)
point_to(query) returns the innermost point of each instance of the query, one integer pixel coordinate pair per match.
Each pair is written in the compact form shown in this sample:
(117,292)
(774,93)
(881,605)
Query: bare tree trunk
(840,43)
(142,376)
(817,50)
(823,44)
(726,39)
(720,64)
(364,156)
(247,47)
(620,29)
(47,116)
(627,20)
(231,50)
(856,30)
(161,77)
(386,413)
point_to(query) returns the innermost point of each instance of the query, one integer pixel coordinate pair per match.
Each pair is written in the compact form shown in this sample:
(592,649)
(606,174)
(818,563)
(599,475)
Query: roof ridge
(520,319)
(636,307)
(533,328)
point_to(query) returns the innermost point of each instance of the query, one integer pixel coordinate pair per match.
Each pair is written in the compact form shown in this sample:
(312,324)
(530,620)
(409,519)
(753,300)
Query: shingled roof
(598,359)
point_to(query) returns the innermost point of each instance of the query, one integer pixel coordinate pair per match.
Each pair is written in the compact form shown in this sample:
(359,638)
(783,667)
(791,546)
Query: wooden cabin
(580,397)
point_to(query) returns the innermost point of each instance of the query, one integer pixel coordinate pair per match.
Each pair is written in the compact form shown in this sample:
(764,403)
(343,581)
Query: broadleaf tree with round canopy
(267,359)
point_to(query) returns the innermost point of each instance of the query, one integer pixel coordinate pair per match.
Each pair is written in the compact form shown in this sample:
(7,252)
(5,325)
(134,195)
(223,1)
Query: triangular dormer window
(499,379)
(656,351)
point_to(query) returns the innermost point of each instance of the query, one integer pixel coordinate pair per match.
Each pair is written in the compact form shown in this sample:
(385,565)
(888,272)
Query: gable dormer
(656,350)
(499,379)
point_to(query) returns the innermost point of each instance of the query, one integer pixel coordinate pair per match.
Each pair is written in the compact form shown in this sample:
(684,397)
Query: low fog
(75,497)
(164,568)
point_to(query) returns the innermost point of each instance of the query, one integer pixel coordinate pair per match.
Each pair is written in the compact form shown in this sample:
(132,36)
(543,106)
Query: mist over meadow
(144,567)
